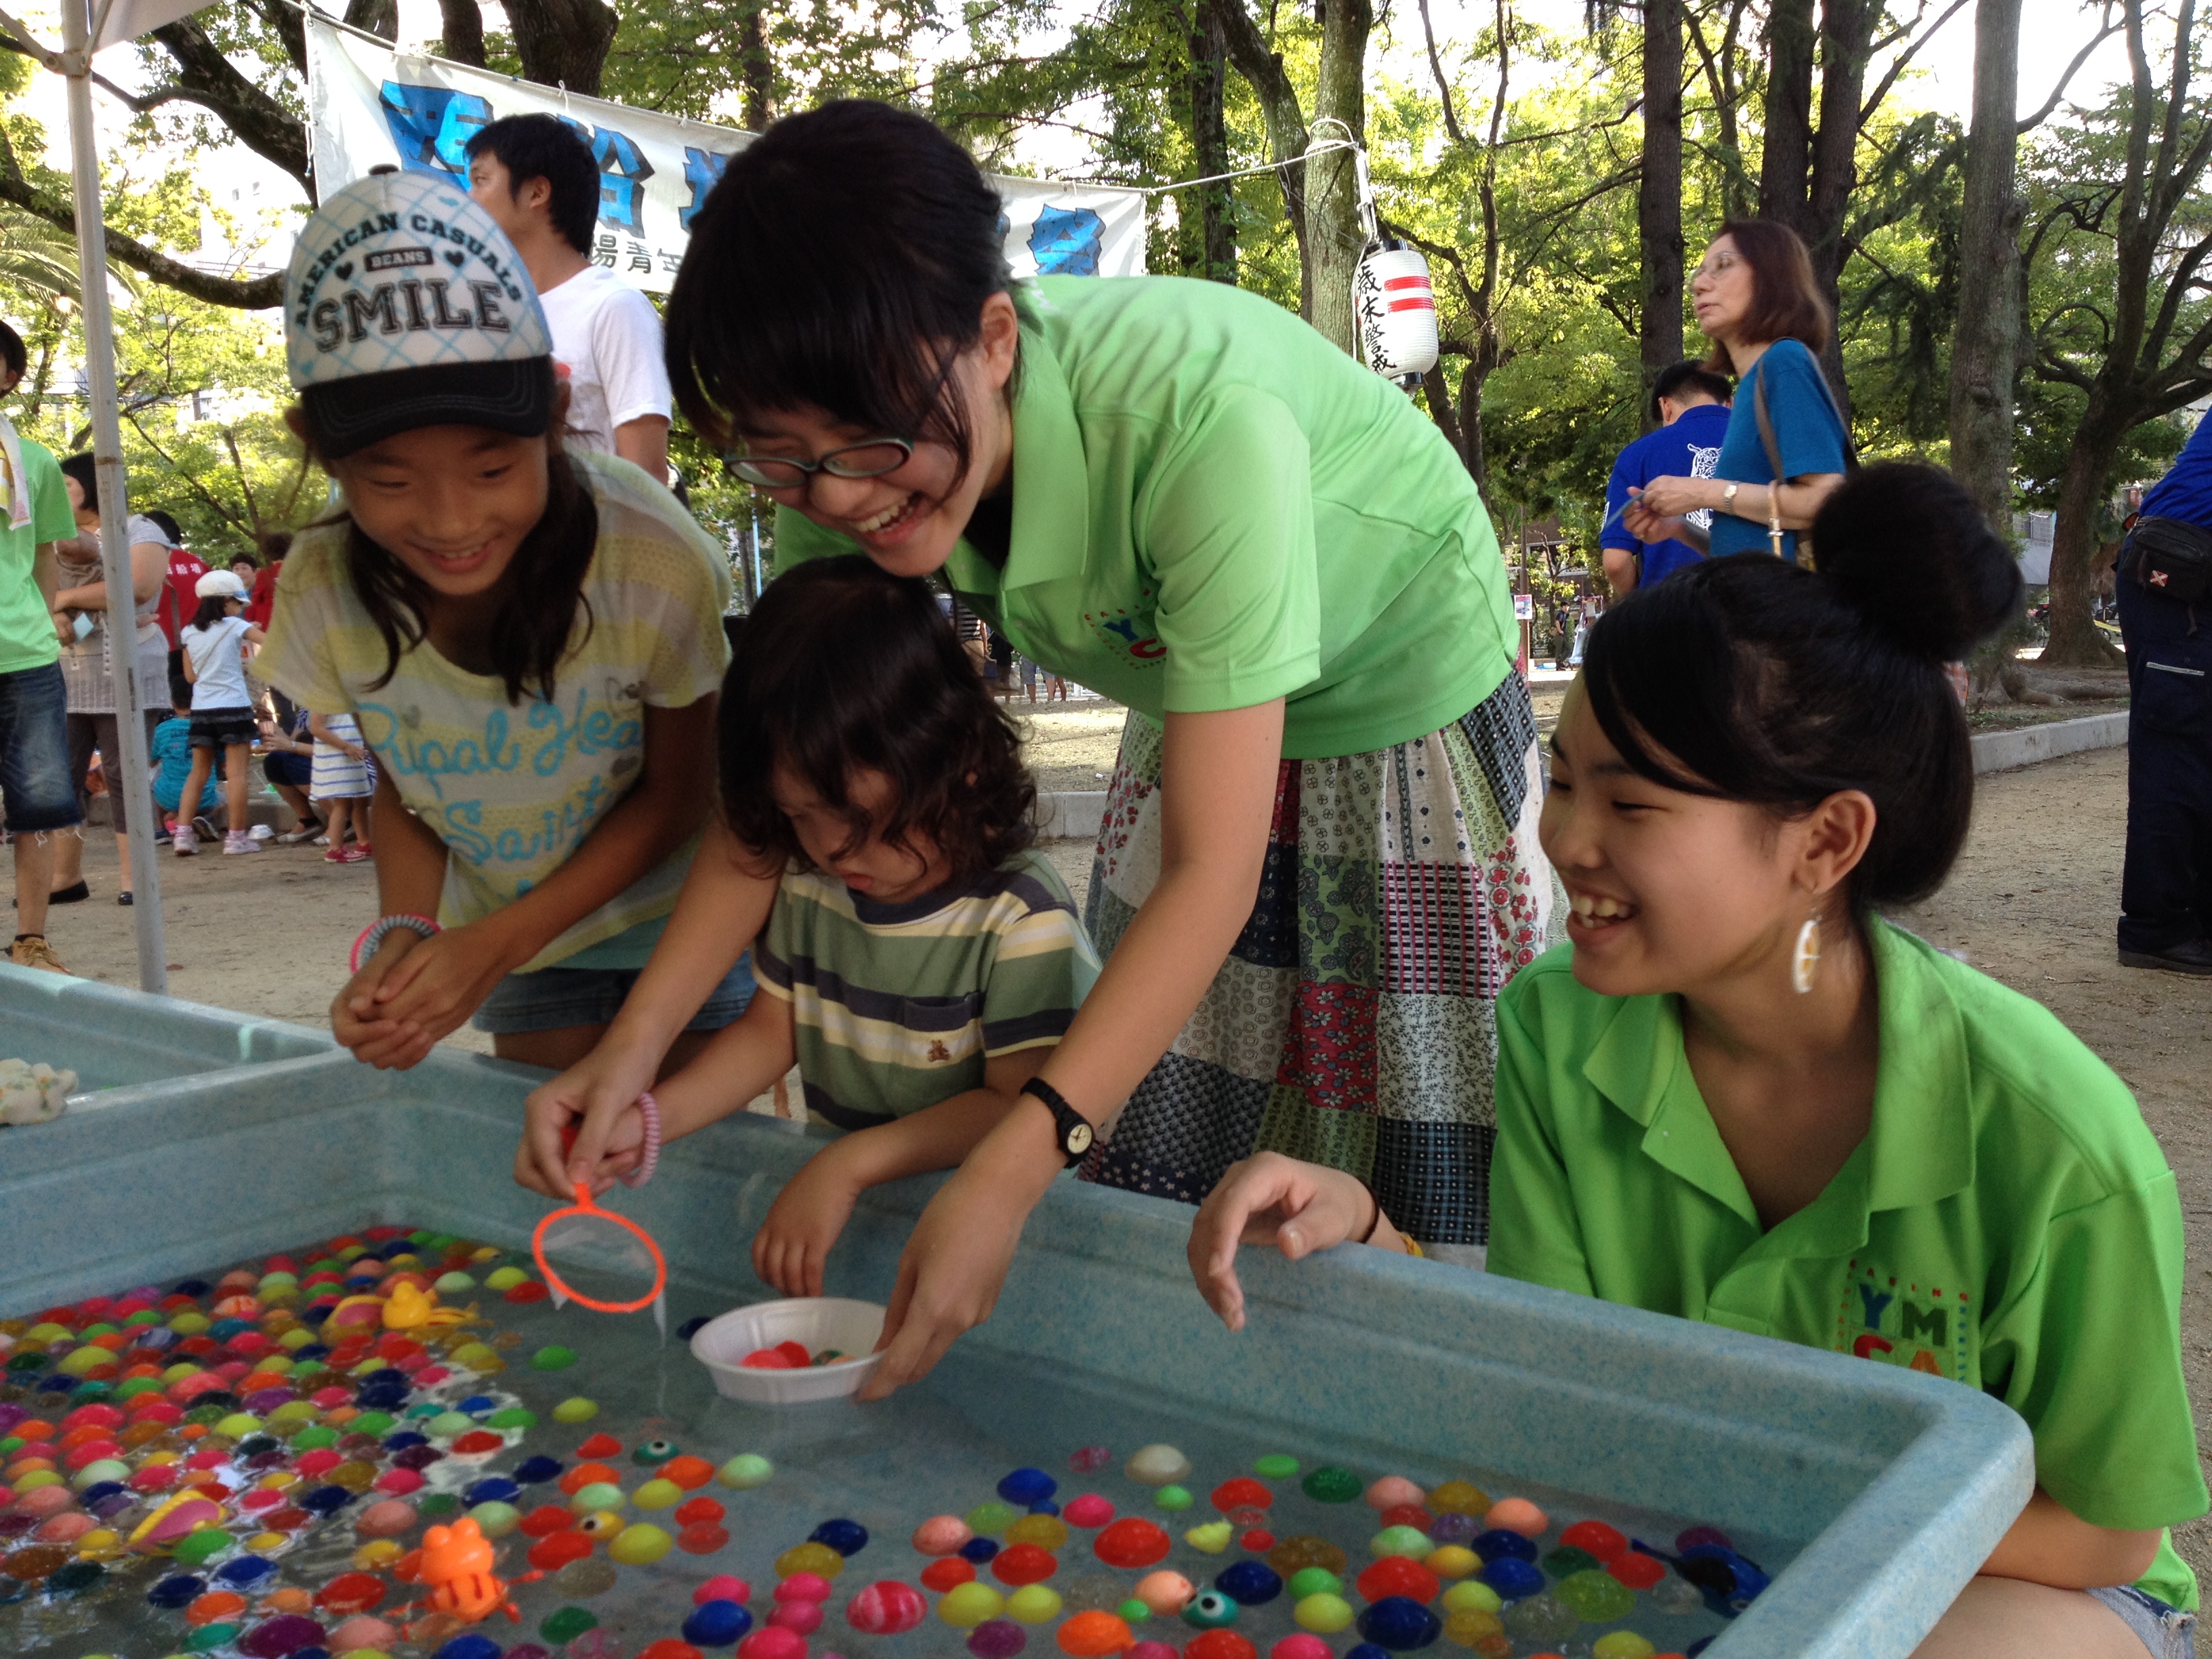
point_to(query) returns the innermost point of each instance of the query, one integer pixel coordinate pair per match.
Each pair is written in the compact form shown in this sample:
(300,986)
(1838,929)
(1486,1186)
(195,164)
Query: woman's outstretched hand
(1270,1199)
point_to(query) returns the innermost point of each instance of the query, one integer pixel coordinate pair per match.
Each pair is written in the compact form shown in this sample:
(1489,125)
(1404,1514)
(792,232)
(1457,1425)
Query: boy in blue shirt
(173,760)
(1691,403)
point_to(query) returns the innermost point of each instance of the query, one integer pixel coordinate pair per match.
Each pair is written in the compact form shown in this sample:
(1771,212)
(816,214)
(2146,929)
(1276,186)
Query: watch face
(1080,1137)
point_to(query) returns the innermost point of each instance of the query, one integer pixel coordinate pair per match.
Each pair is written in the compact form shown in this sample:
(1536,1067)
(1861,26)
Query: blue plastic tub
(111,1036)
(1876,1492)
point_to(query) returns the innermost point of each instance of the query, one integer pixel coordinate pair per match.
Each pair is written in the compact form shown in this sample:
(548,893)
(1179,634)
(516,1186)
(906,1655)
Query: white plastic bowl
(814,1321)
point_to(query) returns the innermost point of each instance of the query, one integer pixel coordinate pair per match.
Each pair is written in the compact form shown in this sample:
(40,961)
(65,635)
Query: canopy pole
(130,696)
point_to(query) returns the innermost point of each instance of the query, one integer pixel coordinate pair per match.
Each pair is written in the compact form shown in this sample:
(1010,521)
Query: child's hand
(441,982)
(375,1038)
(794,1242)
(593,1096)
(549,1115)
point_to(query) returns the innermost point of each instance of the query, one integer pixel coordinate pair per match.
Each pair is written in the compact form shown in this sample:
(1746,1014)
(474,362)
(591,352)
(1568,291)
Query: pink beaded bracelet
(373,935)
(649,1110)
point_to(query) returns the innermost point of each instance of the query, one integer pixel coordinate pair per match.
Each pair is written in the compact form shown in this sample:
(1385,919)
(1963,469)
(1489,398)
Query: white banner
(370,105)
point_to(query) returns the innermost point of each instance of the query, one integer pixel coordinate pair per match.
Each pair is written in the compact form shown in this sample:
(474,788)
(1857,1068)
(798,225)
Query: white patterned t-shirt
(513,789)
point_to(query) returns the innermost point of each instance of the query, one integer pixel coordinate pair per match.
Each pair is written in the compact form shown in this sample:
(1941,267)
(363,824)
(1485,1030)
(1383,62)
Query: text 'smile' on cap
(406,306)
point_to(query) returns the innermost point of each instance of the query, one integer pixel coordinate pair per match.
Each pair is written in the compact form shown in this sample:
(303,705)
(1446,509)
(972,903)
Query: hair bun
(1905,546)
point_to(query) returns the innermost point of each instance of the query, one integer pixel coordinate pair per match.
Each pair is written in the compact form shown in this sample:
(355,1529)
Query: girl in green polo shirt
(1744,1098)
(1319,863)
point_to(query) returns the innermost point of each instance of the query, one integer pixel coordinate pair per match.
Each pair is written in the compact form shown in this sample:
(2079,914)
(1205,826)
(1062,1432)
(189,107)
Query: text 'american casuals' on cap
(406,306)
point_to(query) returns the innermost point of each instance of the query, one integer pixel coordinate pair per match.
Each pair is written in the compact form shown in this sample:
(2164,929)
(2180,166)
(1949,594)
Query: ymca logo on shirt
(1129,633)
(1901,1320)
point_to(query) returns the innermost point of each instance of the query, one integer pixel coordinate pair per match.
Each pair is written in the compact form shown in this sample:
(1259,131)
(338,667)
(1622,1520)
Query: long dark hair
(1749,679)
(212,609)
(1785,299)
(842,263)
(534,627)
(843,665)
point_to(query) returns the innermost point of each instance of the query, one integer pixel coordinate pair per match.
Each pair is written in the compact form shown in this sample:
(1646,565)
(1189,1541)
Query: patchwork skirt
(1354,1022)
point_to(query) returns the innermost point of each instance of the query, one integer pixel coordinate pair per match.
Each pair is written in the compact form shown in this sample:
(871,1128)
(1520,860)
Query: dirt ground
(2032,902)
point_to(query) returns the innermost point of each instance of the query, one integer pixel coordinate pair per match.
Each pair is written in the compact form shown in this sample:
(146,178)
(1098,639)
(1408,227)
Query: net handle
(584,1206)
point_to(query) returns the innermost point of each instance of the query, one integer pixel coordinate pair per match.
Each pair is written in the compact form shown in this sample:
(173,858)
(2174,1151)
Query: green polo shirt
(26,628)
(2008,1221)
(1213,508)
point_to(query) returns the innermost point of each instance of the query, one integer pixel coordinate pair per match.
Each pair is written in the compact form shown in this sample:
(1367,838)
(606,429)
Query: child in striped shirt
(921,960)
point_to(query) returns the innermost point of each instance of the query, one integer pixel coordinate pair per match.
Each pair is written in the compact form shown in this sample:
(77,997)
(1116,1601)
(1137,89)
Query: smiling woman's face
(906,519)
(1671,892)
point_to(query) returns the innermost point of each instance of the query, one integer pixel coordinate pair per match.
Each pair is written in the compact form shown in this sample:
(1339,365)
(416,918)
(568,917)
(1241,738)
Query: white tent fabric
(126,20)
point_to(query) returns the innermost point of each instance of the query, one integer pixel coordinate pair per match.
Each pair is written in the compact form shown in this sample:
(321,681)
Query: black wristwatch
(1076,1133)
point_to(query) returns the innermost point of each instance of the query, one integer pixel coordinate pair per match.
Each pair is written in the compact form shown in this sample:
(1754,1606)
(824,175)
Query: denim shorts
(35,751)
(554,998)
(2166,1632)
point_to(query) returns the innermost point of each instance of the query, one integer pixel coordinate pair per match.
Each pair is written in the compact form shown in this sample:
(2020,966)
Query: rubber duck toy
(456,1563)
(412,1307)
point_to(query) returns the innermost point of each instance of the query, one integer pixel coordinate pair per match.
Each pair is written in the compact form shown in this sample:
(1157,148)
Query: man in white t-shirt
(536,178)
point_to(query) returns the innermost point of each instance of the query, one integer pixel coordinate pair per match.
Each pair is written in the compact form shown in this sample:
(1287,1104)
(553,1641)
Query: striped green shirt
(896,1007)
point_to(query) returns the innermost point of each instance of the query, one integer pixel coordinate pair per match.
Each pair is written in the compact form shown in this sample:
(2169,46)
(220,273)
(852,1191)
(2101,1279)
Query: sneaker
(363,848)
(32,951)
(306,832)
(238,840)
(2190,956)
(337,855)
(205,830)
(184,842)
(354,854)
(260,832)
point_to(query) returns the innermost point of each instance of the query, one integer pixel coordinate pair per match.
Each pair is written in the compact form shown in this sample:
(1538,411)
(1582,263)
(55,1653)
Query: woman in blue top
(1757,303)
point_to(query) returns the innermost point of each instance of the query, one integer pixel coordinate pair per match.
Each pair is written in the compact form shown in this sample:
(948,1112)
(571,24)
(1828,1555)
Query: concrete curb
(1070,814)
(2003,751)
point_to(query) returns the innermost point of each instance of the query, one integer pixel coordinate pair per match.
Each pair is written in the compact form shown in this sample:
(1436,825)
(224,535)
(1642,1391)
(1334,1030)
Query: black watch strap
(1076,1133)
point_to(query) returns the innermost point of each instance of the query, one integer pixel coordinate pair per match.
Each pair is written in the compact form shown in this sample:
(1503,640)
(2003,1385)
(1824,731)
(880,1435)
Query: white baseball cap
(405,306)
(223,582)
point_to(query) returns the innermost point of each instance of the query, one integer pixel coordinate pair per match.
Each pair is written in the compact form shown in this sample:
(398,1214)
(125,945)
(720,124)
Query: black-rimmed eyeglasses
(868,460)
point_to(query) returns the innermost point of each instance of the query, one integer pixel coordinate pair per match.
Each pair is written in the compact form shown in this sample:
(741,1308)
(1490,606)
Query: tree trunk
(1210,236)
(756,65)
(461,32)
(1846,41)
(1786,152)
(1335,238)
(1321,195)
(379,17)
(562,42)
(2075,642)
(1659,194)
(1984,340)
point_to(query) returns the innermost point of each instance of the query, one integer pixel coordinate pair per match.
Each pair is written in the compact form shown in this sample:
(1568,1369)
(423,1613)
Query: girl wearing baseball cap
(214,643)
(531,641)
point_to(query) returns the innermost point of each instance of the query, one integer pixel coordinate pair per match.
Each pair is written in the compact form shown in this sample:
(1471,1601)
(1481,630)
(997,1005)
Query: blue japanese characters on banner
(370,105)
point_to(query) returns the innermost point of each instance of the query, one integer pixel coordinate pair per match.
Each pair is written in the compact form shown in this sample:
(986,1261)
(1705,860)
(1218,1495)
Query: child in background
(922,960)
(222,709)
(345,781)
(288,761)
(172,757)
(531,641)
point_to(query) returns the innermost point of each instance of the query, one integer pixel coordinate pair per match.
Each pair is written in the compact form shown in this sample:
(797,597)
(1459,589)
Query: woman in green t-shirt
(1318,865)
(1744,1098)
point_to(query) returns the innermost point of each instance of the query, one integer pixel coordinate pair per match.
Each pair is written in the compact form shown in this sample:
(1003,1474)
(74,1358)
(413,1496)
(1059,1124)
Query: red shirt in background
(185,571)
(264,598)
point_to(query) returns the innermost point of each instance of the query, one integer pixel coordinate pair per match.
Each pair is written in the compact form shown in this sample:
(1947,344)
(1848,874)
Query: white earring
(1807,958)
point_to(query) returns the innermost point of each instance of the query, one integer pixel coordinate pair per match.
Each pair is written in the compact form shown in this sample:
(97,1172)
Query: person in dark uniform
(2165,591)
